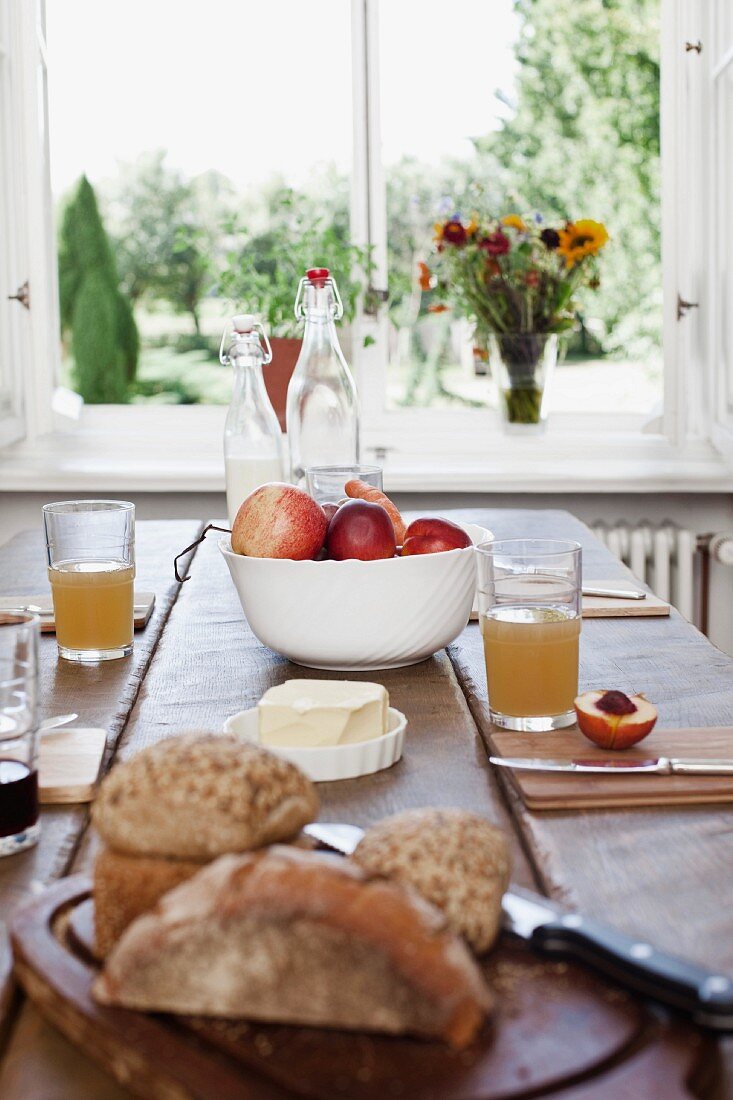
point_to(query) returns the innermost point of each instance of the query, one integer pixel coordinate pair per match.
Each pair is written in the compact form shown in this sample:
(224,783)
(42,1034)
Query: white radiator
(663,557)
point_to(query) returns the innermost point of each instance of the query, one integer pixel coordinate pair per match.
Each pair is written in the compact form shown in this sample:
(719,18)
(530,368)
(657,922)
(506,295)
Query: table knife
(614,593)
(655,765)
(703,994)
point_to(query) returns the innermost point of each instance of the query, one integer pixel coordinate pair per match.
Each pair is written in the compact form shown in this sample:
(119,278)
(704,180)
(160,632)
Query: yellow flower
(514,222)
(471,227)
(438,231)
(580,239)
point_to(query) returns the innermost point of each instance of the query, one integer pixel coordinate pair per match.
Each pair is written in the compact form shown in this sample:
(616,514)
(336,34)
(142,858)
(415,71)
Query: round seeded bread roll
(457,860)
(198,796)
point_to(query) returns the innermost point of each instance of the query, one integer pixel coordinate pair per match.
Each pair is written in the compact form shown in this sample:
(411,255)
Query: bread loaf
(197,796)
(457,860)
(126,886)
(303,938)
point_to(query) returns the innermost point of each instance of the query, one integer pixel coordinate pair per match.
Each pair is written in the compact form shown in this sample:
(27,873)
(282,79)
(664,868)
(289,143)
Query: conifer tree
(104,338)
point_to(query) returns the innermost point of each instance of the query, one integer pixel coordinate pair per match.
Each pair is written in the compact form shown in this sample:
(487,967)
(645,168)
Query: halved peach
(614,720)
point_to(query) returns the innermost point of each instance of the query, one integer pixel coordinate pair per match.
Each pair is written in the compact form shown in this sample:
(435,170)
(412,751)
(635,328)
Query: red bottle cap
(317,275)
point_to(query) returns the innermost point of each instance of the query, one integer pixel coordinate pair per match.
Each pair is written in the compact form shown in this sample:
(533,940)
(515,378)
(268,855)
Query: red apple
(361,530)
(614,720)
(279,521)
(424,544)
(330,509)
(449,534)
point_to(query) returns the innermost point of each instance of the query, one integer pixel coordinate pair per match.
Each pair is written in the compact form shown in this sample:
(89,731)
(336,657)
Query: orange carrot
(359,490)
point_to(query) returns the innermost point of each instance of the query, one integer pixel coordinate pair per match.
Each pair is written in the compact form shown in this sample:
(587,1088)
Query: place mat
(605,607)
(144,604)
(563,791)
(68,764)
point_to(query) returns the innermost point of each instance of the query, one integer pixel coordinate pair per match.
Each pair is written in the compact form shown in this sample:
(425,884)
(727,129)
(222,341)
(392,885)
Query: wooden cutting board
(558,791)
(605,607)
(68,764)
(556,1024)
(145,601)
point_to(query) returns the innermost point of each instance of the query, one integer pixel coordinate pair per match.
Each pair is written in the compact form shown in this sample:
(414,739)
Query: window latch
(22,295)
(693,46)
(373,299)
(683,306)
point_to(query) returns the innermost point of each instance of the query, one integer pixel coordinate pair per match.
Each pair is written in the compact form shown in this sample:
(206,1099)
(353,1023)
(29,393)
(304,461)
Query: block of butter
(317,713)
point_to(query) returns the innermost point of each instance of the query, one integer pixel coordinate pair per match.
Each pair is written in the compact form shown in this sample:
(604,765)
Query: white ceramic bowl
(357,615)
(335,761)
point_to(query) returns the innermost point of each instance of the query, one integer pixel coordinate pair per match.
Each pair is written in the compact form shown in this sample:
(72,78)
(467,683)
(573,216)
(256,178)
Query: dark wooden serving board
(563,791)
(558,1028)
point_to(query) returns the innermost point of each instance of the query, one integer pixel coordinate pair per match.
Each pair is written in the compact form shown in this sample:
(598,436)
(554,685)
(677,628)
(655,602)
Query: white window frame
(445,439)
(30,252)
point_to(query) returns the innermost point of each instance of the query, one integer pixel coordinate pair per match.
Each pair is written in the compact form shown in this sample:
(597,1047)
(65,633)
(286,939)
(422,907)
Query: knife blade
(656,765)
(705,995)
(614,593)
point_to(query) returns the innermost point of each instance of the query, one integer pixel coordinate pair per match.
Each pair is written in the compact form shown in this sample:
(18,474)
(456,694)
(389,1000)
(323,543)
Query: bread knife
(703,994)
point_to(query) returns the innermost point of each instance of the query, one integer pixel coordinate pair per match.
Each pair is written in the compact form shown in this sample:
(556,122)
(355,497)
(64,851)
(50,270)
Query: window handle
(683,306)
(696,46)
(22,295)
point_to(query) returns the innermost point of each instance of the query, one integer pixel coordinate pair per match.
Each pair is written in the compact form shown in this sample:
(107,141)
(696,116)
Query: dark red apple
(450,535)
(360,530)
(330,508)
(423,544)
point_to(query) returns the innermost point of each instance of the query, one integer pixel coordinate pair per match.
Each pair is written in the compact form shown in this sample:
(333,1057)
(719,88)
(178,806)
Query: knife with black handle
(703,994)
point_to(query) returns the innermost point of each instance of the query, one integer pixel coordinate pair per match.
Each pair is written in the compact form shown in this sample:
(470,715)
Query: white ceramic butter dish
(332,761)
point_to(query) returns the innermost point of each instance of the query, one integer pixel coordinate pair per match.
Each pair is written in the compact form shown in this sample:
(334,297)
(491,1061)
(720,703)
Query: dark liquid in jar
(18,797)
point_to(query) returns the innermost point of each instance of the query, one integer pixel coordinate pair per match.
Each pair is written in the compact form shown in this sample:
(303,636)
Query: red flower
(454,232)
(532,278)
(496,244)
(437,308)
(492,267)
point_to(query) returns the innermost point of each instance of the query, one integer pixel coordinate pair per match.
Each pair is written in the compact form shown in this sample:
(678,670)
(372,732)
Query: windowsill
(178,449)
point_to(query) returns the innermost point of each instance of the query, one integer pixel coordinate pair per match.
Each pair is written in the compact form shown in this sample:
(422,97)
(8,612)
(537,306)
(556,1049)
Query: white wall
(700,513)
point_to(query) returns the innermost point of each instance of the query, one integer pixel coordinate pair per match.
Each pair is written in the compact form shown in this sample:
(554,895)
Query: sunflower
(514,222)
(581,239)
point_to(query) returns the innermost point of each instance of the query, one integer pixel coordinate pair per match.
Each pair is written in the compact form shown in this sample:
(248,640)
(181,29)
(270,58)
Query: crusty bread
(197,796)
(126,886)
(457,860)
(299,937)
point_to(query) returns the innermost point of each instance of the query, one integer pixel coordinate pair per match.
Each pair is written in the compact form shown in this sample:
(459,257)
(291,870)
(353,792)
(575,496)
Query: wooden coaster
(69,763)
(144,604)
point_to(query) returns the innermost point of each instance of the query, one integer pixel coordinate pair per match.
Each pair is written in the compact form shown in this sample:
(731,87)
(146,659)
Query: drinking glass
(326,483)
(19,825)
(529,611)
(91,567)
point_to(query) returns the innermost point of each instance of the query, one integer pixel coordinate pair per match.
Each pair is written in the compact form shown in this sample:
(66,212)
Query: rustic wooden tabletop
(663,874)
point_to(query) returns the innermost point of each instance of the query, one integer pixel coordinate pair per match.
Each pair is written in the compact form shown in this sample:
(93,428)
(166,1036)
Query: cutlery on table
(705,995)
(51,724)
(614,593)
(655,765)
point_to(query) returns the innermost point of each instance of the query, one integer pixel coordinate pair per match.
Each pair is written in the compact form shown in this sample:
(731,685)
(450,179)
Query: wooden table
(664,874)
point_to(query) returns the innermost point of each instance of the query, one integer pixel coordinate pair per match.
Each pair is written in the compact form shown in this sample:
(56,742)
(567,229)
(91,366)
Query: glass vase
(522,364)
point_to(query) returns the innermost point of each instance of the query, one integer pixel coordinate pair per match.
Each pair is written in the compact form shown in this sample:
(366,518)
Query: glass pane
(217,139)
(722,66)
(12,312)
(504,108)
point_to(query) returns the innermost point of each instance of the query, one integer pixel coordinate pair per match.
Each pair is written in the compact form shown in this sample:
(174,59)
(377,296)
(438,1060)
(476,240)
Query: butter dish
(324,763)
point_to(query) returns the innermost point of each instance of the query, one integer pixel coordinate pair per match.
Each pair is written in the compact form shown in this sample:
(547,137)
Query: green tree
(165,231)
(583,141)
(104,338)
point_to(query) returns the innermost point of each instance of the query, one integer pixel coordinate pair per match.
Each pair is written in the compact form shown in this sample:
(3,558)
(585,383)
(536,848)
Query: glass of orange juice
(91,567)
(529,611)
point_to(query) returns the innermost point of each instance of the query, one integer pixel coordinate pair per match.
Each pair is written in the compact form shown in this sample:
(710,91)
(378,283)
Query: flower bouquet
(515,279)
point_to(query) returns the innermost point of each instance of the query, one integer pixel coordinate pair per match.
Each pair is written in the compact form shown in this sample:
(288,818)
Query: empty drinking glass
(326,484)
